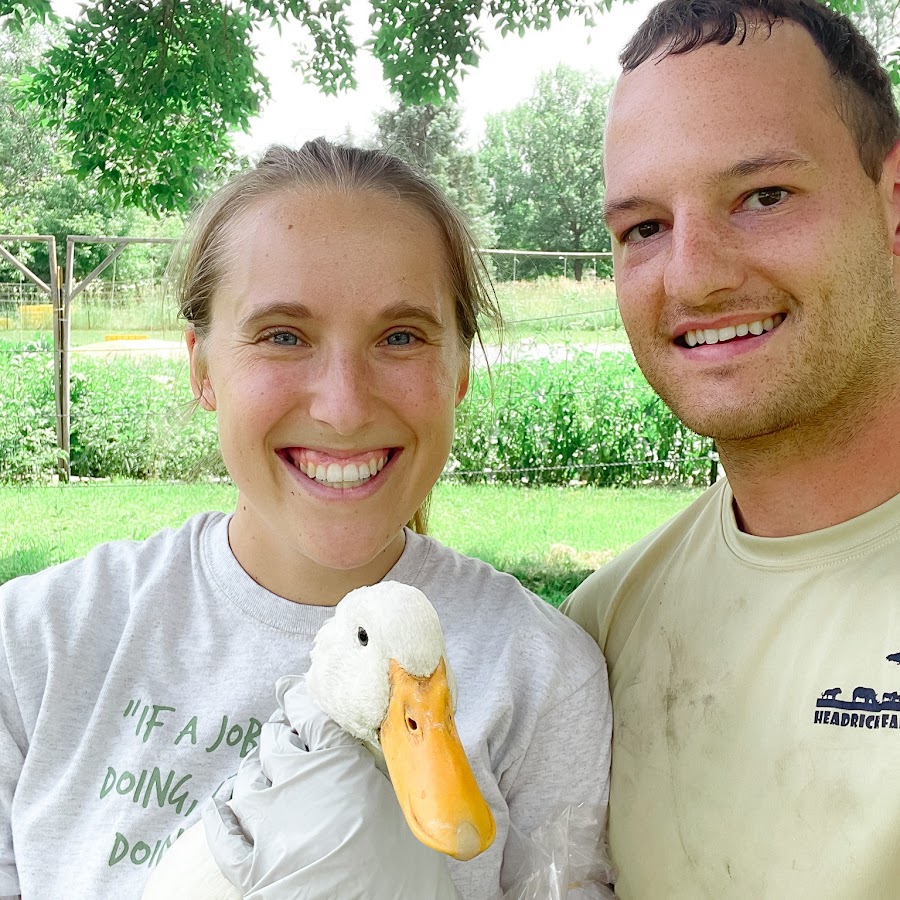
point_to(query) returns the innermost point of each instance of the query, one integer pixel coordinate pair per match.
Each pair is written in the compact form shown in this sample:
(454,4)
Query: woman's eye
(284,339)
(765,198)
(641,232)
(400,339)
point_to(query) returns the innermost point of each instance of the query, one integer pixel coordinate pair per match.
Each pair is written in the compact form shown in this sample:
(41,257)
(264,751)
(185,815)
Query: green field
(551,538)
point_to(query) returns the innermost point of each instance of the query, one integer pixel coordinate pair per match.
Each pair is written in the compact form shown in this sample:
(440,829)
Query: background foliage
(39,192)
(431,138)
(587,420)
(147,93)
(135,419)
(545,159)
(143,96)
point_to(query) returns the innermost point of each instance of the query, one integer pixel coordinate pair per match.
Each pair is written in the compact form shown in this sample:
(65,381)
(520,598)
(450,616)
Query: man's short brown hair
(864,98)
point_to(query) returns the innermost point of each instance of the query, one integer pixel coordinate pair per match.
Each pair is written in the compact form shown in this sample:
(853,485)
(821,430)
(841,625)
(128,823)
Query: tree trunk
(579,265)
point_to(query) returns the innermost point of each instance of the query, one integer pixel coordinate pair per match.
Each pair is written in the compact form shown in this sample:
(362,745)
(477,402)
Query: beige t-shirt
(756,707)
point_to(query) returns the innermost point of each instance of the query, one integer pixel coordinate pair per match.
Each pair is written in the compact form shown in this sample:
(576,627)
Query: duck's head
(379,669)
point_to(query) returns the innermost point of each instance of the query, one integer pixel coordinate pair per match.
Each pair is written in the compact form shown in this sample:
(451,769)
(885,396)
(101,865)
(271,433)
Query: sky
(505,76)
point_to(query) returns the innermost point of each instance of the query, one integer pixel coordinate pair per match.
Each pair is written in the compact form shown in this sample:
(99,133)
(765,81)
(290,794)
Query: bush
(591,420)
(128,419)
(27,413)
(134,419)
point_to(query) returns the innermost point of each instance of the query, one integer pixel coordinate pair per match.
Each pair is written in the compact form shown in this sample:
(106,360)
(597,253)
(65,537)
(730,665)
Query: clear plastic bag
(566,859)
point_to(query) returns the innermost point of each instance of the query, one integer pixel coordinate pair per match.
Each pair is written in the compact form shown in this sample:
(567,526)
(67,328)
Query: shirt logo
(863,708)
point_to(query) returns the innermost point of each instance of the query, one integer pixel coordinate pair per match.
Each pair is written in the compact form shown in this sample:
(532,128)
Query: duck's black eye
(362,637)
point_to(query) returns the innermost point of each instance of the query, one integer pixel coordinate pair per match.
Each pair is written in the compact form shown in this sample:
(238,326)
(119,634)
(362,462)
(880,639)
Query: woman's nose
(341,395)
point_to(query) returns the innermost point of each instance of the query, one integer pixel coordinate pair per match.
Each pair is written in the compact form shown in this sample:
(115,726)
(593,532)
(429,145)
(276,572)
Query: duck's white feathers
(348,679)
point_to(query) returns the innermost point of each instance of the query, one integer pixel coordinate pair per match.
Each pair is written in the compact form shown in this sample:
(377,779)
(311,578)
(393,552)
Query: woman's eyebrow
(405,310)
(291,310)
(400,310)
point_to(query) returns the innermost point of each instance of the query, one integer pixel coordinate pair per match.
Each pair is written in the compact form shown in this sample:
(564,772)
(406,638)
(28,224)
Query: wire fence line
(94,377)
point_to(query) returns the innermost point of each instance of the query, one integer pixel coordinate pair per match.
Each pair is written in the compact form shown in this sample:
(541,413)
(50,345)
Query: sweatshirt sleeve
(566,763)
(13,744)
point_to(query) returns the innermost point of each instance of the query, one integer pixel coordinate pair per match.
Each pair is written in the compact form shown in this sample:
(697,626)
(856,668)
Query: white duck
(378,669)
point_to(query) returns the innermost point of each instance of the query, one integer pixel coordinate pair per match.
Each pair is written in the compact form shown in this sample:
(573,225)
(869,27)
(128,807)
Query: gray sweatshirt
(134,680)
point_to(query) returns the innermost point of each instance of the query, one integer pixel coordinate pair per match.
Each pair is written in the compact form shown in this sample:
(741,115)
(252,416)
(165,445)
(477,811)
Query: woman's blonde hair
(322,165)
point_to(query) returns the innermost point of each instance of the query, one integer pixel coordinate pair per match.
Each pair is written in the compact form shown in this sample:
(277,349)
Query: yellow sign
(38,316)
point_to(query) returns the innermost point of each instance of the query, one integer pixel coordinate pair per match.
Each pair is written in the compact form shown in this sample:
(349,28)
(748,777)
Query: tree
(430,137)
(146,91)
(545,162)
(877,19)
(39,194)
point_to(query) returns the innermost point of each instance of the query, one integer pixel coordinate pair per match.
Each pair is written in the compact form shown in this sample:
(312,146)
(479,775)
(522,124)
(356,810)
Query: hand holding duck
(311,815)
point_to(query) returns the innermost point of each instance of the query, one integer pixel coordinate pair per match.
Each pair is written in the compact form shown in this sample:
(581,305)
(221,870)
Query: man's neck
(810,478)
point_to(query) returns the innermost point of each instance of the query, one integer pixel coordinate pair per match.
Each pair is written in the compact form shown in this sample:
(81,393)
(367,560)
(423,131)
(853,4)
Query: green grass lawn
(550,538)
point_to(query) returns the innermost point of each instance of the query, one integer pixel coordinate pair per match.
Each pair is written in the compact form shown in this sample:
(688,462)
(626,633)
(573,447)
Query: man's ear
(890,178)
(200,383)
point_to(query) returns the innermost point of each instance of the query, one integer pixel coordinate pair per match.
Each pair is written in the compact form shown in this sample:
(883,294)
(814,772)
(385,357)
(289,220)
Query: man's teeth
(719,335)
(352,473)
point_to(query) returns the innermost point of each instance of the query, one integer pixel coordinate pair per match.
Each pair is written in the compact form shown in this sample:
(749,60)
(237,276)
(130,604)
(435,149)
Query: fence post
(60,365)
(63,282)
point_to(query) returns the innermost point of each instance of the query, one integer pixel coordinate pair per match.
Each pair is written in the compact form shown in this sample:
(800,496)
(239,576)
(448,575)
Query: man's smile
(697,336)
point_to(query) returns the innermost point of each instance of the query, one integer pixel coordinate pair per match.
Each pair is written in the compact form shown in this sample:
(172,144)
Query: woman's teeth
(720,335)
(335,475)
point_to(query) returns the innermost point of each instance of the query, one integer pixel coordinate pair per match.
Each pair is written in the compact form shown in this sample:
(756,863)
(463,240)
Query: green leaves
(328,60)
(892,63)
(40,194)
(422,50)
(145,95)
(588,420)
(147,92)
(16,14)
(545,157)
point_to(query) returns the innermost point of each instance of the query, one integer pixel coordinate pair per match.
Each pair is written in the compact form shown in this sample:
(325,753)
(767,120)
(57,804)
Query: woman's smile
(339,471)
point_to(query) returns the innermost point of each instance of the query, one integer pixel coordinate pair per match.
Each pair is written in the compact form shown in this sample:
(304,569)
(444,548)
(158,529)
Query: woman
(332,300)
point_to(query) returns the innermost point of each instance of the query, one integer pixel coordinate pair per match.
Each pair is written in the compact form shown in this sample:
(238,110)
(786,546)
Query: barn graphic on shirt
(861,706)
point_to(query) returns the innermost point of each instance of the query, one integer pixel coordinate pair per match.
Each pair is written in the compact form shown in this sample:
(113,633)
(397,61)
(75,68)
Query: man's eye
(400,339)
(641,232)
(765,198)
(284,339)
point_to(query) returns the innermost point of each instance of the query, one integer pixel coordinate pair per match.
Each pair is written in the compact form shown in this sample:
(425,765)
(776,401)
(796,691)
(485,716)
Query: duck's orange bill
(429,769)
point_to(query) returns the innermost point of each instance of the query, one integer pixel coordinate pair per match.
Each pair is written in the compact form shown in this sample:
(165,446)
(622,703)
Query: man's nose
(341,394)
(704,259)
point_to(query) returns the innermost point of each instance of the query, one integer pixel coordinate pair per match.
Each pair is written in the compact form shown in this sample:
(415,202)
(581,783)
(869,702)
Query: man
(753,642)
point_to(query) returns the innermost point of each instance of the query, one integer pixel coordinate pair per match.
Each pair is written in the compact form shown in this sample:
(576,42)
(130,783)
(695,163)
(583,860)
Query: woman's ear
(200,383)
(462,381)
